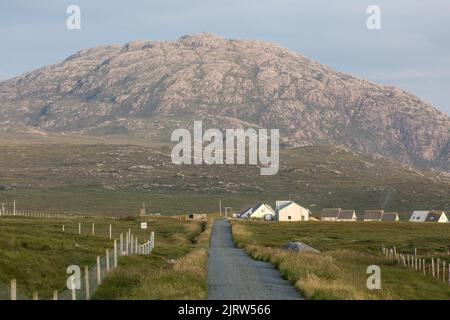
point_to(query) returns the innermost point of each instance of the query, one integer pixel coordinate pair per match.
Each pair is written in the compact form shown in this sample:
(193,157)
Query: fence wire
(88,285)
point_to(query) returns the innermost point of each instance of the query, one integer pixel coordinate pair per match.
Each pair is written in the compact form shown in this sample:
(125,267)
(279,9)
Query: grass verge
(175,270)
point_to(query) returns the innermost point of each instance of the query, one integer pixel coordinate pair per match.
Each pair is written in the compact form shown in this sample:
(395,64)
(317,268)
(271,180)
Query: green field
(347,249)
(36,252)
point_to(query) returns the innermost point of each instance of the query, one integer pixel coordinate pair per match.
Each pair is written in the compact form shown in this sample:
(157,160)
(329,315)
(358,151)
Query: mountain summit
(147,88)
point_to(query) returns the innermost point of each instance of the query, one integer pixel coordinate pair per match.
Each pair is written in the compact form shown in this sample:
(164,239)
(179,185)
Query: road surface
(233,275)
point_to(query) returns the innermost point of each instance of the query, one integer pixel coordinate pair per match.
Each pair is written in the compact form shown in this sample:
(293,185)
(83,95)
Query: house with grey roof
(373,215)
(390,217)
(330,214)
(347,215)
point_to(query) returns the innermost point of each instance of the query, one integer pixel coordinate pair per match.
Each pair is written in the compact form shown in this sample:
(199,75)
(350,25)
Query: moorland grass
(346,250)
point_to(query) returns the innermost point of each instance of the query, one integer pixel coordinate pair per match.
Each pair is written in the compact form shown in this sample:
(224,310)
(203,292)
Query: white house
(428,216)
(337,214)
(290,211)
(259,211)
(390,217)
(419,216)
(347,215)
(330,214)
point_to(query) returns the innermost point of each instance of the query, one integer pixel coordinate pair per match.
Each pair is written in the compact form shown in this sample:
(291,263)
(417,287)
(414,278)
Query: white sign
(143,225)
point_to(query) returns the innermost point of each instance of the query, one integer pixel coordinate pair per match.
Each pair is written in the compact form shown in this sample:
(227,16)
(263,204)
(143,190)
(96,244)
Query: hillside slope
(146,88)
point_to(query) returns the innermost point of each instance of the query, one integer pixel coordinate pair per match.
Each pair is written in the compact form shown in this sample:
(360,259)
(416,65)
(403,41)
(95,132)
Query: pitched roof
(346,214)
(283,204)
(330,212)
(434,216)
(373,214)
(389,216)
(244,210)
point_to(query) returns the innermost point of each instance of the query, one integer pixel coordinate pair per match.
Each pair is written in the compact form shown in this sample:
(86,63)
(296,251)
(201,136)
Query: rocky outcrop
(147,88)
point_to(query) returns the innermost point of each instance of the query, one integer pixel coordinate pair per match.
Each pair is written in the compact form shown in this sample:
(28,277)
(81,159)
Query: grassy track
(347,249)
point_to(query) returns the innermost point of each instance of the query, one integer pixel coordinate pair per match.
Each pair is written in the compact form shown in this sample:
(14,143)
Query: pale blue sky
(412,51)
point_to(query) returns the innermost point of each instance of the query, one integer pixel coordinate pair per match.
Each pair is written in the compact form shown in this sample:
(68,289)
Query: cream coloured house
(290,211)
(259,211)
(429,216)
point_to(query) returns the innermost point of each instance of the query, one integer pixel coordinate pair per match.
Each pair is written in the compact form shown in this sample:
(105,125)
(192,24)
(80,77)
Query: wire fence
(83,281)
(36,214)
(436,267)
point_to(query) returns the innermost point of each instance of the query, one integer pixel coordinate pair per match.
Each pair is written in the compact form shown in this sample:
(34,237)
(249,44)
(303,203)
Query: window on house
(289,217)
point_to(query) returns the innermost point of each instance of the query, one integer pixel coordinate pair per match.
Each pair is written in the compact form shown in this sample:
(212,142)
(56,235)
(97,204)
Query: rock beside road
(299,247)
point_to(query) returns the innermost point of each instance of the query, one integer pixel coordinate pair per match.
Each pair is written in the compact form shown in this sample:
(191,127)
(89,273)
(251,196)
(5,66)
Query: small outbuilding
(198,216)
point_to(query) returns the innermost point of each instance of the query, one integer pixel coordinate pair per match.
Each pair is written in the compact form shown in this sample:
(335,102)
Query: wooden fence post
(121,244)
(55,295)
(63,228)
(115,253)
(110,231)
(448,274)
(152,239)
(13,289)
(107,260)
(126,244)
(99,275)
(131,244)
(443,271)
(424,267)
(79,228)
(93,228)
(432,267)
(438,262)
(86,282)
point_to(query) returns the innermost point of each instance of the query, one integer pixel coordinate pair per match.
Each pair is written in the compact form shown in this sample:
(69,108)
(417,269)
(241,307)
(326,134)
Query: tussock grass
(339,271)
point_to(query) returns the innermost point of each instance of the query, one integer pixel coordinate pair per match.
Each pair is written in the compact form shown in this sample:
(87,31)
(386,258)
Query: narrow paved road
(233,275)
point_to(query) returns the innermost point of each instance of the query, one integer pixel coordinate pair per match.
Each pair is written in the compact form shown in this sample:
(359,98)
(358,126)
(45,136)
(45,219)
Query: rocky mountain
(146,88)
